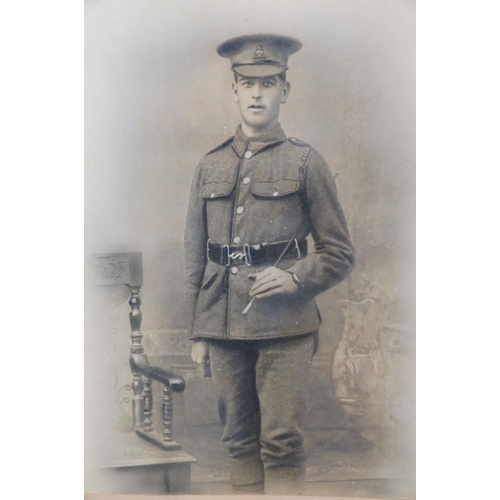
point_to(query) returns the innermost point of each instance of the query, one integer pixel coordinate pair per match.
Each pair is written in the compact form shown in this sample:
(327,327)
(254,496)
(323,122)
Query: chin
(258,123)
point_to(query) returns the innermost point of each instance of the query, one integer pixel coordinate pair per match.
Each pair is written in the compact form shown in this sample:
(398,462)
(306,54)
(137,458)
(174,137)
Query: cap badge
(259,51)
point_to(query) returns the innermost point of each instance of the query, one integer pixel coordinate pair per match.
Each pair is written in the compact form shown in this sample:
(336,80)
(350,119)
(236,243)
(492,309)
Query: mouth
(256,106)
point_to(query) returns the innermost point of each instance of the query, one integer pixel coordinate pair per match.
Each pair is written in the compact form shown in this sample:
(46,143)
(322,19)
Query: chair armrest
(140,363)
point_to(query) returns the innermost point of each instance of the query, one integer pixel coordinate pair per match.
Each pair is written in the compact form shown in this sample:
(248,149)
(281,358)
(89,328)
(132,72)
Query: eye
(268,83)
(246,84)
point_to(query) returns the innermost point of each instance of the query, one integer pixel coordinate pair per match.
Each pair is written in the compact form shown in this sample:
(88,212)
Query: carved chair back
(126,269)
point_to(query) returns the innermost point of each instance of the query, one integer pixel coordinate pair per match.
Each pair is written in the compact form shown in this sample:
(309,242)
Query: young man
(251,282)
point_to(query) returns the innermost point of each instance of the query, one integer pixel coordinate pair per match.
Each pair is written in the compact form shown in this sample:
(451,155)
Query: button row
(240,210)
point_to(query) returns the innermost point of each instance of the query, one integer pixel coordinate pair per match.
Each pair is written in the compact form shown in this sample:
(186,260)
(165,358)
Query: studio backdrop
(158,97)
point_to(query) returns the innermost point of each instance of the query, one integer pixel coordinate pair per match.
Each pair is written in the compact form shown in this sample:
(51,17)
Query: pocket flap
(208,280)
(275,189)
(211,271)
(214,190)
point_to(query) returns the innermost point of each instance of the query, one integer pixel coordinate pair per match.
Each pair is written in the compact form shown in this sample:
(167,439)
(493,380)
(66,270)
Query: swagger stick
(285,250)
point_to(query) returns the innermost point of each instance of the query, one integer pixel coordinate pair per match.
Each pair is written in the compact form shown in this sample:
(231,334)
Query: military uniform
(253,200)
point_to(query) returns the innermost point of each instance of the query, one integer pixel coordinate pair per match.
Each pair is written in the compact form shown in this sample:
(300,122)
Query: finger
(253,276)
(264,283)
(265,280)
(269,293)
(272,273)
(265,272)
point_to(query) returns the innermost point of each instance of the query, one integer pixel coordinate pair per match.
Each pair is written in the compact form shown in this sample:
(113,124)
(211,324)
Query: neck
(250,131)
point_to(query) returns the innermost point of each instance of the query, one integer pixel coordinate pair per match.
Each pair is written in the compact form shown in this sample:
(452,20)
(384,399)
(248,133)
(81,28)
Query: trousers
(262,387)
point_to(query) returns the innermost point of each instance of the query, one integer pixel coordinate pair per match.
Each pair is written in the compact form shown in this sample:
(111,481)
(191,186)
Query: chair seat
(138,467)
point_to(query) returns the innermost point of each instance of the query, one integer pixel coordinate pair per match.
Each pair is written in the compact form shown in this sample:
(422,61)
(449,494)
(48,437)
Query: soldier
(251,281)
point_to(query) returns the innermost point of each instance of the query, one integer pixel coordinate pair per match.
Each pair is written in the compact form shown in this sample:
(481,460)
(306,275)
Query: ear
(235,91)
(285,90)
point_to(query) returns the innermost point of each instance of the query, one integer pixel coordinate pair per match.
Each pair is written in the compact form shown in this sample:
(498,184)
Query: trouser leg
(233,374)
(282,384)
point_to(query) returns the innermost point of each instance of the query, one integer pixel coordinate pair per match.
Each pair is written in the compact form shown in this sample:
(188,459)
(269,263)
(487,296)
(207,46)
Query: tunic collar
(241,142)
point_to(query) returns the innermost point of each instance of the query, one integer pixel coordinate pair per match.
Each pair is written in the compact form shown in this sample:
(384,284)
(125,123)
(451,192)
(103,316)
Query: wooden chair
(160,465)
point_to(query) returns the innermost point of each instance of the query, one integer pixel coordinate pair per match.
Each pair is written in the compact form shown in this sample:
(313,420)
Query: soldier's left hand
(272,281)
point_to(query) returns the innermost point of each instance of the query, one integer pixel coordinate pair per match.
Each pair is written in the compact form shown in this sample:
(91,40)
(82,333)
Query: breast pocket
(275,188)
(278,203)
(218,198)
(214,190)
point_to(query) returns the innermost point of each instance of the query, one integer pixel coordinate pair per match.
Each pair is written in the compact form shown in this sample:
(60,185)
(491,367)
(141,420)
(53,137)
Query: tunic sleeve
(333,258)
(195,241)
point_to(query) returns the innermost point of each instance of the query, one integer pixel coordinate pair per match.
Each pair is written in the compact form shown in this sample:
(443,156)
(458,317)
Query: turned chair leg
(135,317)
(148,404)
(167,414)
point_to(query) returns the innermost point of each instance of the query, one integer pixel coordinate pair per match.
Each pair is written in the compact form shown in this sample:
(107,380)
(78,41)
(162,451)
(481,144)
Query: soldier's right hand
(199,352)
(272,281)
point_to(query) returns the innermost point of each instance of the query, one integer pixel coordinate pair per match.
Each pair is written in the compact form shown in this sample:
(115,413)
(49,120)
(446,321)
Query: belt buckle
(248,257)
(208,249)
(237,255)
(297,248)
(225,255)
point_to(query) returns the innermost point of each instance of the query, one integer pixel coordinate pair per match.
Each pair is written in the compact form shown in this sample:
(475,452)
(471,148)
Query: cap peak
(259,54)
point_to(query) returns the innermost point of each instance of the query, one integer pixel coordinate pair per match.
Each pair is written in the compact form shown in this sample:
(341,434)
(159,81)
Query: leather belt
(255,254)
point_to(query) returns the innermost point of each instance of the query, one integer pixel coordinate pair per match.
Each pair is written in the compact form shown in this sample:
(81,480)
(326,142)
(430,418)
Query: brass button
(212,195)
(275,193)
(248,154)
(236,239)
(234,270)
(240,210)
(246,180)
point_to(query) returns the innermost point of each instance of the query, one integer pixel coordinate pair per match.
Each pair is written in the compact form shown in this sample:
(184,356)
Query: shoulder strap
(303,177)
(304,154)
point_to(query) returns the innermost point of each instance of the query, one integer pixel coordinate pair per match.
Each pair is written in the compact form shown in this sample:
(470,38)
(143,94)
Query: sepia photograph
(250,248)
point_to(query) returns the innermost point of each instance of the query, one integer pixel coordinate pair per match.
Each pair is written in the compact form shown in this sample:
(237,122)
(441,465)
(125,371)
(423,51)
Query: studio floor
(336,465)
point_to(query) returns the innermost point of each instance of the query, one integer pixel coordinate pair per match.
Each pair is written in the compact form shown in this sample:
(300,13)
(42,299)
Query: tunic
(254,191)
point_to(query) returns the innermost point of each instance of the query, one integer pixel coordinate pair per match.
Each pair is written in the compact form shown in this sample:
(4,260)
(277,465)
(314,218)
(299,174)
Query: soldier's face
(259,100)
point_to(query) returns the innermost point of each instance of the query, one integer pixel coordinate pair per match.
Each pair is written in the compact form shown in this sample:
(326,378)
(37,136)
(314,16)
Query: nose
(257,91)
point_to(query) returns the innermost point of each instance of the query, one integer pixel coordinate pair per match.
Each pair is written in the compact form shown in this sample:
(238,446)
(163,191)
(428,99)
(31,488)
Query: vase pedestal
(357,372)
